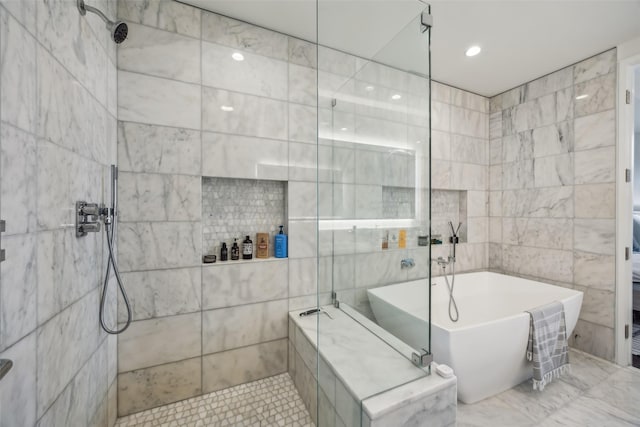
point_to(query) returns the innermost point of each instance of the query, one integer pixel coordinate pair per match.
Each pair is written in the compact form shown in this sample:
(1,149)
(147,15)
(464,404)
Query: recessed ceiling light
(369,88)
(238,56)
(418,142)
(473,51)
(396,97)
(226,108)
(343,129)
(583,96)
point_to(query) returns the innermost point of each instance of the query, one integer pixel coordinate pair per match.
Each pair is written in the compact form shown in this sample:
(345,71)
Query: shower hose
(452,300)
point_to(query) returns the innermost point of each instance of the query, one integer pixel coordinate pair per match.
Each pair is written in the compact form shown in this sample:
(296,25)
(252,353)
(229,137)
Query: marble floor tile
(595,393)
(270,401)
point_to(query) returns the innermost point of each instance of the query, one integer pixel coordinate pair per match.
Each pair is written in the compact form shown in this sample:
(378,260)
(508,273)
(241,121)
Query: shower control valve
(88,216)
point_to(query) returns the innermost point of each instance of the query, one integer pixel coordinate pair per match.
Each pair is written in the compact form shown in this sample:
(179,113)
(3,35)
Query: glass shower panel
(373,191)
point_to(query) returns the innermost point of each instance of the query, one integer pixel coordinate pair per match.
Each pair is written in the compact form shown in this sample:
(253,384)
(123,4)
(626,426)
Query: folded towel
(548,348)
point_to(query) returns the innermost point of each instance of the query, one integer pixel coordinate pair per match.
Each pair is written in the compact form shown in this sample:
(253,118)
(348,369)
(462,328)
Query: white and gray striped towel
(548,347)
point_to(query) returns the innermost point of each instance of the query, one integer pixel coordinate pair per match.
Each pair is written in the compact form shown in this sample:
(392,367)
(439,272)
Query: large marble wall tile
(302,199)
(166,15)
(440,145)
(495,125)
(518,175)
(495,177)
(548,84)
(594,339)
(233,156)
(148,50)
(598,306)
(17,74)
(469,150)
(550,264)
(303,53)
(468,100)
(302,239)
(379,268)
(18,180)
(18,391)
(87,61)
(593,270)
(532,114)
(63,178)
(303,123)
(542,202)
(162,293)
(368,201)
(159,385)
(441,116)
(255,74)
(303,276)
(601,95)
(596,236)
(83,396)
(67,113)
(229,368)
(23,11)
(229,328)
(595,166)
(155,197)
(517,147)
(146,342)
(477,203)
(303,84)
(595,201)
(369,166)
(565,104)
(153,100)
(553,171)
(441,92)
(469,122)
(596,130)
(347,406)
(495,230)
(595,66)
(157,149)
(158,245)
(553,140)
(66,269)
(251,115)
(466,176)
(229,32)
(230,285)
(538,232)
(75,328)
(303,162)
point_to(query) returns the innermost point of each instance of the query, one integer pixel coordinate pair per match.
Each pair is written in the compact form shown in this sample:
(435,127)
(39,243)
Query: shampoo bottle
(280,250)
(224,253)
(247,248)
(235,251)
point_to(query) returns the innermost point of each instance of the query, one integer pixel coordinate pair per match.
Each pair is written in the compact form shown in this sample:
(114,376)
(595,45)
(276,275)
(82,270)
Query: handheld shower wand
(454,240)
(110,227)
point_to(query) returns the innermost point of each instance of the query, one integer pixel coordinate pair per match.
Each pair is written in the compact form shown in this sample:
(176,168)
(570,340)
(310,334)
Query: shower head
(118,29)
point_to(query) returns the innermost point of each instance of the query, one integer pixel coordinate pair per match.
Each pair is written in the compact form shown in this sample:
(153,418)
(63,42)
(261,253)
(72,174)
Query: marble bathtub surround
(552,157)
(58,137)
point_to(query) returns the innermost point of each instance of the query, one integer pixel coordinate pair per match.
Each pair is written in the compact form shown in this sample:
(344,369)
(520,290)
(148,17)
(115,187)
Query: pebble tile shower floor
(271,401)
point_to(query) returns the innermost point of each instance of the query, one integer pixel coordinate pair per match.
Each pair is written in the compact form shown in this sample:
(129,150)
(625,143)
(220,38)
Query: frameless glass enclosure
(373,188)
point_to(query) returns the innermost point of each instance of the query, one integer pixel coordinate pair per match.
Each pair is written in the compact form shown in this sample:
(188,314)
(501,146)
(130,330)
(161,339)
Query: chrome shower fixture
(118,29)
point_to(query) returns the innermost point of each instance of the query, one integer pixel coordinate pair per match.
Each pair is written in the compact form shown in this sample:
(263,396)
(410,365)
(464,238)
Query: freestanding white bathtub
(487,346)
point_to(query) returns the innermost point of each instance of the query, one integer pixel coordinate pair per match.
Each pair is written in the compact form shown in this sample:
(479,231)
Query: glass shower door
(373,203)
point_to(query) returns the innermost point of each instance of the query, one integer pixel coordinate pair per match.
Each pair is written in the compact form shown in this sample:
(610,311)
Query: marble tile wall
(57,139)
(552,189)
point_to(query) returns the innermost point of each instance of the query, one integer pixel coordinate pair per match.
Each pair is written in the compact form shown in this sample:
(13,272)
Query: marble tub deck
(597,393)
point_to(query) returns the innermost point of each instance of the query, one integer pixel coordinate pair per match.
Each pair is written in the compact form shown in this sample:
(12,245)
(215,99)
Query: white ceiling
(521,39)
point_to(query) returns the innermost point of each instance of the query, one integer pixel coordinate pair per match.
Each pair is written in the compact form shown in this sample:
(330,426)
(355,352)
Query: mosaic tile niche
(235,208)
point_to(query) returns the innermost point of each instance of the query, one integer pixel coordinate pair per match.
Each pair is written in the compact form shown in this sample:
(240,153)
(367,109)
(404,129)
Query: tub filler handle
(407,263)
(422,359)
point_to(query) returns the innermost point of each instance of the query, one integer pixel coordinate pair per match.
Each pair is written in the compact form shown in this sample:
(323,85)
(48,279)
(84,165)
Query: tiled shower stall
(521,171)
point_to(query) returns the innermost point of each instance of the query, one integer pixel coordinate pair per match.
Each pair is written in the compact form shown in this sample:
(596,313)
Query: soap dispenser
(280,250)
(247,248)
(235,251)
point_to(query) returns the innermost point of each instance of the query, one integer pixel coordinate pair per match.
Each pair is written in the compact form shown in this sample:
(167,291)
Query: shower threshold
(272,401)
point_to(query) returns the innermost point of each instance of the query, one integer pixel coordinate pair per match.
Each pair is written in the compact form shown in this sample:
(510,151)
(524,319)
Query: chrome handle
(5,367)
(407,263)
(3,227)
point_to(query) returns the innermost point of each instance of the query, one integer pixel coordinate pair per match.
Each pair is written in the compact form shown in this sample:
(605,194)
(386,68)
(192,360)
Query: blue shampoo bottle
(280,248)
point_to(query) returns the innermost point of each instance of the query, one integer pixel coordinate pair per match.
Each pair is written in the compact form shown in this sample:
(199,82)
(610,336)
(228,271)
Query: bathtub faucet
(441,261)
(454,240)
(407,263)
